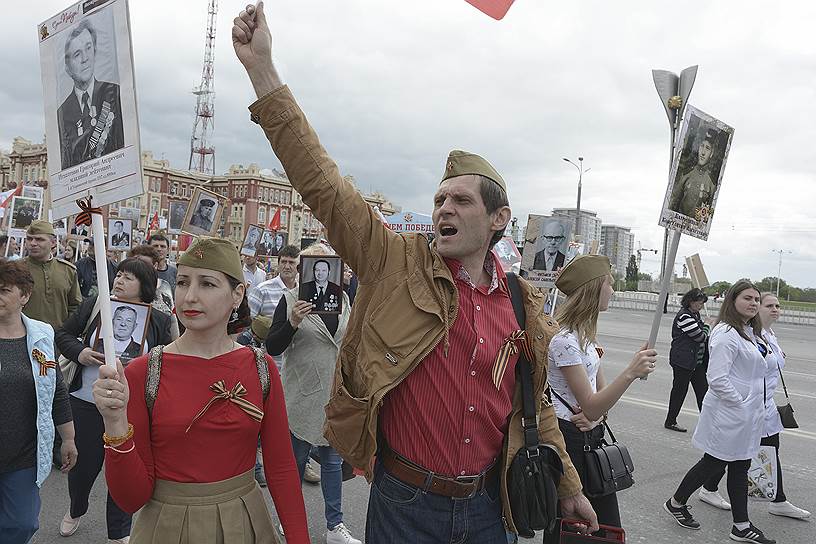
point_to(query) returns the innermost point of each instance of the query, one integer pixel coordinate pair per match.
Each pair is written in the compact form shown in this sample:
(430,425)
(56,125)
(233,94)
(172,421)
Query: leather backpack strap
(529,421)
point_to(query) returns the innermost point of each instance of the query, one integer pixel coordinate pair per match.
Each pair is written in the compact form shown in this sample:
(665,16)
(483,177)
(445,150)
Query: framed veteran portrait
(177,210)
(507,252)
(696,174)
(203,214)
(252,240)
(546,248)
(119,233)
(24,210)
(321,278)
(130,321)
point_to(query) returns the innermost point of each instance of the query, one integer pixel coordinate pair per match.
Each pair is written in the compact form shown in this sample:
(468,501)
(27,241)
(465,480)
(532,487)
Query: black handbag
(536,469)
(607,468)
(786,410)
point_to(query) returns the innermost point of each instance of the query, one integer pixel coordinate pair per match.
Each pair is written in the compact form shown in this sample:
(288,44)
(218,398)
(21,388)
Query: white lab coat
(773,423)
(732,421)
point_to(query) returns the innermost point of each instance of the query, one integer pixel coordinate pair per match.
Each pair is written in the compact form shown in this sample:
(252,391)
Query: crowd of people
(413,383)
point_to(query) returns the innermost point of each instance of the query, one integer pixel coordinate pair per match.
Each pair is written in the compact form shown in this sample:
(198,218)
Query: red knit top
(220,445)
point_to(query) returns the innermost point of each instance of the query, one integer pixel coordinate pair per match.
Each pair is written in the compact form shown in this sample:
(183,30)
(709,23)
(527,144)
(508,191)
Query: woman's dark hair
(729,314)
(694,295)
(15,273)
(145,251)
(244,319)
(146,275)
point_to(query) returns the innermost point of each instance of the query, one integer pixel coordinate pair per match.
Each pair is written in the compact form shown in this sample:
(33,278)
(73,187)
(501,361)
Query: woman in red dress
(182,423)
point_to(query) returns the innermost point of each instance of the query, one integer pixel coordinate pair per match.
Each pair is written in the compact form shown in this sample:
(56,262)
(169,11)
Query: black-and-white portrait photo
(32,191)
(321,278)
(90,115)
(119,233)
(696,174)
(551,244)
(15,244)
(203,214)
(272,243)
(252,240)
(129,327)
(24,211)
(507,252)
(82,231)
(177,211)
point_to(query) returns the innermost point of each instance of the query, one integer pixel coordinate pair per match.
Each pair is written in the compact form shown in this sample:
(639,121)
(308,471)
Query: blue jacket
(40,336)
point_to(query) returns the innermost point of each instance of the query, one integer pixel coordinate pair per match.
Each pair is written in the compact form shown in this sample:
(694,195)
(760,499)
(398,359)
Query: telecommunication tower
(202,152)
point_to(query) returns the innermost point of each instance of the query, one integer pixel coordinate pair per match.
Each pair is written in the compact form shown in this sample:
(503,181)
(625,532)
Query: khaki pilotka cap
(214,254)
(461,163)
(582,270)
(41,227)
(260,326)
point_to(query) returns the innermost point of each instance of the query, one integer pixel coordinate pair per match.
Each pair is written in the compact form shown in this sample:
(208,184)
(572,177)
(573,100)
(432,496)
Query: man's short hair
(117,222)
(314,265)
(494,197)
(159,238)
(289,251)
(123,308)
(82,26)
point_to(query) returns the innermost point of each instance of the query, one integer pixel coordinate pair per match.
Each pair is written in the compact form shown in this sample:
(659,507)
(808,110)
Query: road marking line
(661,406)
(803,395)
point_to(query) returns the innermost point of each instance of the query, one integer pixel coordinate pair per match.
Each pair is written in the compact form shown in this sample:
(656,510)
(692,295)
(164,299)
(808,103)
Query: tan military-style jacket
(56,291)
(406,302)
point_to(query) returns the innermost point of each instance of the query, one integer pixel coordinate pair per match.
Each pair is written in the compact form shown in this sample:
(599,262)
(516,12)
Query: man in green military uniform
(56,290)
(695,188)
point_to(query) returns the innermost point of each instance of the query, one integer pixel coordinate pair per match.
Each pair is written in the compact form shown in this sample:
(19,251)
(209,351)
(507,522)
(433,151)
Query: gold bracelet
(118,440)
(113,448)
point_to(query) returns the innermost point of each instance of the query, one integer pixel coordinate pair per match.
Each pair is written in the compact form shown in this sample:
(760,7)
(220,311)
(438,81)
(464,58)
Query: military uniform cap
(461,163)
(261,325)
(41,227)
(582,270)
(207,202)
(214,254)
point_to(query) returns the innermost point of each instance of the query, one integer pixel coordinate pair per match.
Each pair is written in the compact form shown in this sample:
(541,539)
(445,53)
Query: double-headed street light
(581,172)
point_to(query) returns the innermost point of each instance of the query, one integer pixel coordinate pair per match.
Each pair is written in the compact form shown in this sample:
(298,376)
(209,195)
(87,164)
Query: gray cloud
(392,86)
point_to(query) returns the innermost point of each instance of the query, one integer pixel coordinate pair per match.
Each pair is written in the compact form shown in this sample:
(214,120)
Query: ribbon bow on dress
(234,395)
(517,340)
(45,364)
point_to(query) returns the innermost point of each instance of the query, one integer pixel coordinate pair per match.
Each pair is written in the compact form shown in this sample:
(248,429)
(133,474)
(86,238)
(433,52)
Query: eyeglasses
(553,238)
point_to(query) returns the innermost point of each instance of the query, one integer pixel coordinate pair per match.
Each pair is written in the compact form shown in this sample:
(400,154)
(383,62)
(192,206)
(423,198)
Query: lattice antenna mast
(202,152)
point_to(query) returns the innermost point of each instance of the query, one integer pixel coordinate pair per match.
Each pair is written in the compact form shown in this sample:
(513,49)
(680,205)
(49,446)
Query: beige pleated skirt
(231,511)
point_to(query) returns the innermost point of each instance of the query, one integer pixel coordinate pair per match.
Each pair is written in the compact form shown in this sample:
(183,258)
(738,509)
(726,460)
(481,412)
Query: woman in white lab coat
(732,420)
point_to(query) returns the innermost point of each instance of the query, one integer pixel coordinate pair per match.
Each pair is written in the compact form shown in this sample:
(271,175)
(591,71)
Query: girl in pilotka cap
(581,394)
(182,423)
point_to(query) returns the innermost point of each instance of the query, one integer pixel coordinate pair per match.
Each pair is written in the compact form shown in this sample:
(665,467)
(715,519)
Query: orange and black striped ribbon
(45,364)
(517,340)
(84,216)
(234,395)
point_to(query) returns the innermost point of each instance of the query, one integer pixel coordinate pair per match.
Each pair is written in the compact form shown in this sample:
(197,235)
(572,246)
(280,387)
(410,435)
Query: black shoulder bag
(536,468)
(607,468)
(786,410)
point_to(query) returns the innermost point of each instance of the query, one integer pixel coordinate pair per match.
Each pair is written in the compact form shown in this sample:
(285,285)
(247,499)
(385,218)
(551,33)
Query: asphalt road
(661,457)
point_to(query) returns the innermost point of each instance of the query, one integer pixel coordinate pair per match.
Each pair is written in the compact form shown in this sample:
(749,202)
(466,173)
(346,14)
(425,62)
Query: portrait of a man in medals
(316,285)
(90,117)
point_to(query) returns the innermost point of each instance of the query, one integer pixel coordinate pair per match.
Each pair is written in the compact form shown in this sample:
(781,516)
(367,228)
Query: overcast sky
(391,86)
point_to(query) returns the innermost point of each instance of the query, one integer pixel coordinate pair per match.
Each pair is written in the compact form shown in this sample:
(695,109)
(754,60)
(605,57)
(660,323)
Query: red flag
(275,223)
(154,223)
(495,8)
(8,195)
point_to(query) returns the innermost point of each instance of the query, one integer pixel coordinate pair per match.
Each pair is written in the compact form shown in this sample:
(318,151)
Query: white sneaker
(714,499)
(788,510)
(68,525)
(341,535)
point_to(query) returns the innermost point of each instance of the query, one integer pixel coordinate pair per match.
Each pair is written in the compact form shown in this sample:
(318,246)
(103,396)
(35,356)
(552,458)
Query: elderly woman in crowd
(33,402)
(135,282)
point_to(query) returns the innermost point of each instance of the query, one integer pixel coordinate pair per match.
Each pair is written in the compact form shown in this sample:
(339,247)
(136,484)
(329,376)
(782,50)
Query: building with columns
(254,194)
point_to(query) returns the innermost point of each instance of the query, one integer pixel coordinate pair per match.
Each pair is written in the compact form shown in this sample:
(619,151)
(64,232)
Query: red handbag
(570,534)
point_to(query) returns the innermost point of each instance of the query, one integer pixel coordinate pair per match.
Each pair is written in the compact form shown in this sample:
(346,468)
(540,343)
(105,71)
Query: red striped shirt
(447,415)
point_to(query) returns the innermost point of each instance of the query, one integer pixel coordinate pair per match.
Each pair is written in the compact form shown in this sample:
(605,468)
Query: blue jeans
(398,512)
(19,506)
(331,477)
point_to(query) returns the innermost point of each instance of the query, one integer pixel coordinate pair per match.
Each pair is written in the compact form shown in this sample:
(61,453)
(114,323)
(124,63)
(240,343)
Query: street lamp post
(779,269)
(581,173)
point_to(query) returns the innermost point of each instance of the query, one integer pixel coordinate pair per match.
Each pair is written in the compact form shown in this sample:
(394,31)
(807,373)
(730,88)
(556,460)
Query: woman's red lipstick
(191,313)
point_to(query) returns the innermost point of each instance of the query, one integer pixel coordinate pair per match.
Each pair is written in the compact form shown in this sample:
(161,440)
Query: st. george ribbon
(93,216)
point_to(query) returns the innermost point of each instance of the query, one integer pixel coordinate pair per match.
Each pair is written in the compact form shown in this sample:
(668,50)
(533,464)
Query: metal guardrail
(647,302)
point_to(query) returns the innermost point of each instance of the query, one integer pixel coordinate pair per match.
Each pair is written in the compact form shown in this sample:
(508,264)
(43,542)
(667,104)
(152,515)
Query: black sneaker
(682,516)
(751,534)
